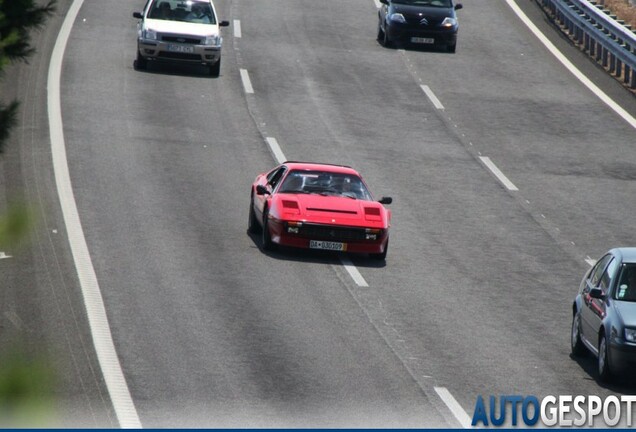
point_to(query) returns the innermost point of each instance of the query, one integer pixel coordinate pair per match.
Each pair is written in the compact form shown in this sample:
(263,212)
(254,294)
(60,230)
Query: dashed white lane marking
(95,310)
(590,261)
(247,84)
(569,66)
(353,272)
(432,97)
(378,5)
(4,255)
(276,150)
(502,178)
(237,28)
(454,406)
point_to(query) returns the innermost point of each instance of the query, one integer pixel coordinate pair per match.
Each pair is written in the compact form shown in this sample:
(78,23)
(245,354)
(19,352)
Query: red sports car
(319,206)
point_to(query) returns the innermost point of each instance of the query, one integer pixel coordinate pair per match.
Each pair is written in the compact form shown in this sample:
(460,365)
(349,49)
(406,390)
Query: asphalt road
(475,296)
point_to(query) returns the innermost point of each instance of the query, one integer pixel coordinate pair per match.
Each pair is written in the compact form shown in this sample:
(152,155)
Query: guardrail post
(612,64)
(596,32)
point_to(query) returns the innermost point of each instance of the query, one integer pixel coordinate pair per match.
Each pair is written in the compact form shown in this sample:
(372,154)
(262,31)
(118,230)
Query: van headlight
(630,335)
(449,22)
(213,40)
(149,34)
(398,17)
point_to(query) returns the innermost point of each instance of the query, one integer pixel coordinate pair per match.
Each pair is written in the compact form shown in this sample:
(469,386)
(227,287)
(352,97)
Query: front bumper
(352,237)
(175,52)
(622,356)
(404,34)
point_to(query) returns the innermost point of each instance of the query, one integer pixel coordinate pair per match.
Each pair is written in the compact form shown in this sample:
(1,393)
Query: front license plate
(327,245)
(180,48)
(422,40)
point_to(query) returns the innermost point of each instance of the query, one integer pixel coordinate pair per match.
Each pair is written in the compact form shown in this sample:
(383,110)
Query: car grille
(181,39)
(330,232)
(416,21)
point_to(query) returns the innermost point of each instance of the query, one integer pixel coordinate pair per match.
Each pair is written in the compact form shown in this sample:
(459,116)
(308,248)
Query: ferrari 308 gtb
(319,206)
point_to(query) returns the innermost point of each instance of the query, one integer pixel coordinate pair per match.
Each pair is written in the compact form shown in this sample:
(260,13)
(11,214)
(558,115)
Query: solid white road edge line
(432,97)
(353,272)
(569,66)
(454,406)
(237,28)
(502,178)
(247,84)
(276,150)
(100,330)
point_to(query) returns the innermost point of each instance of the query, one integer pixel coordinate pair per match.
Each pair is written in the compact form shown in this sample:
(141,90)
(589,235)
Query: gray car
(604,313)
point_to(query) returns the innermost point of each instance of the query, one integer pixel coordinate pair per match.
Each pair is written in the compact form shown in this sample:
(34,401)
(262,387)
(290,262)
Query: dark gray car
(430,23)
(604,313)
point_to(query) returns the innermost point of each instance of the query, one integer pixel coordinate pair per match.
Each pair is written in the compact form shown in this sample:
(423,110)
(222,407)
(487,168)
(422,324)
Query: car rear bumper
(180,53)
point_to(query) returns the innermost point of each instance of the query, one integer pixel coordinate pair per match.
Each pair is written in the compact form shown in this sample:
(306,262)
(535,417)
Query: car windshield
(627,284)
(435,3)
(186,11)
(325,183)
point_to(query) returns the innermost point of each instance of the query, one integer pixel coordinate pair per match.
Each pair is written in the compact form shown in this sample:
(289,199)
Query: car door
(270,181)
(594,308)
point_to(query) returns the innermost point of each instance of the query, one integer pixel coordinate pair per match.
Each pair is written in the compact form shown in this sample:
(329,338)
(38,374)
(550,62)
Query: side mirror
(385,200)
(459,6)
(261,190)
(386,2)
(224,23)
(597,293)
(138,15)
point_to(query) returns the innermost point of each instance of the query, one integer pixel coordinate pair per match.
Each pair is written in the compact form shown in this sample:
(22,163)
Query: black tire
(381,256)
(380,36)
(140,63)
(578,349)
(267,243)
(215,69)
(452,48)
(604,371)
(252,224)
(383,37)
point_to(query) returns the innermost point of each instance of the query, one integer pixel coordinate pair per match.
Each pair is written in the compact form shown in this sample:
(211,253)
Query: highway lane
(477,288)
(210,331)
(42,314)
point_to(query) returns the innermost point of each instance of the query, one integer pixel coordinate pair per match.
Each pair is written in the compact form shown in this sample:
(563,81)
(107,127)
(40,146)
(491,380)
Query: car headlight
(149,34)
(397,17)
(449,22)
(630,335)
(213,40)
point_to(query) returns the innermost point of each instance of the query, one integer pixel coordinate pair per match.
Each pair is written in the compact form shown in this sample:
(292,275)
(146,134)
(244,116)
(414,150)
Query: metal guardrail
(610,43)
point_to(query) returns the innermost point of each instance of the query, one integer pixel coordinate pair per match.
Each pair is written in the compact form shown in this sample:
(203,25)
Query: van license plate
(180,48)
(422,40)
